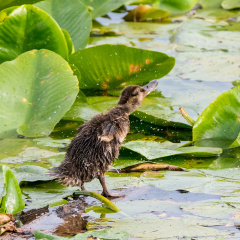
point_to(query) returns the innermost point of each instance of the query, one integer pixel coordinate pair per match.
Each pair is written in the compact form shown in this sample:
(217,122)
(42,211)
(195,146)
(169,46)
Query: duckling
(97,143)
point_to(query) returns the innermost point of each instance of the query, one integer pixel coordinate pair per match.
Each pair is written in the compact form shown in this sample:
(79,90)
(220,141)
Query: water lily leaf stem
(101,198)
(186,116)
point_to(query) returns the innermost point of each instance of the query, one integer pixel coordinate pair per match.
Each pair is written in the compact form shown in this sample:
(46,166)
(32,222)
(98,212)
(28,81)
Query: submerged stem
(186,116)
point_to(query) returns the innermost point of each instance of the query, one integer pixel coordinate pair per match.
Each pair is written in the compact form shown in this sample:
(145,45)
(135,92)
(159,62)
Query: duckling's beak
(150,86)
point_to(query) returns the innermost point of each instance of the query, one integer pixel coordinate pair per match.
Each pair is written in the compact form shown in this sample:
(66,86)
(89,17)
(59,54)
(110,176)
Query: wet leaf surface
(215,14)
(176,6)
(102,7)
(72,16)
(145,12)
(154,150)
(43,86)
(123,66)
(11,198)
(210,4)
(219,124)
(16,33)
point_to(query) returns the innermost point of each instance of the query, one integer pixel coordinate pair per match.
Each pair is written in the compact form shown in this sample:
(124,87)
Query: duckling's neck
(121,110)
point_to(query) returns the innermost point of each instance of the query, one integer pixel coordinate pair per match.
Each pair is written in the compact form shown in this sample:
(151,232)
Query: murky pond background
(200,203)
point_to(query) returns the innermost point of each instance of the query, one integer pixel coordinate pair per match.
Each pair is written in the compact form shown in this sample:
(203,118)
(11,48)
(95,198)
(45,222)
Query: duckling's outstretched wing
(106,132)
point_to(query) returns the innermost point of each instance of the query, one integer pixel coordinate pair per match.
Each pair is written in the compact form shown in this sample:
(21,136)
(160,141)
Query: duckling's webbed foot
(105,191)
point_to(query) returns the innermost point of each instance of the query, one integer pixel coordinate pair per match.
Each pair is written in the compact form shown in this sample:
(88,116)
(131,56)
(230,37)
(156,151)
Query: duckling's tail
(54,172)
(64,179)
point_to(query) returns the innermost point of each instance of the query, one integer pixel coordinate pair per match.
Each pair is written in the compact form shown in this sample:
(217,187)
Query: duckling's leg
(105,191)
(82,187)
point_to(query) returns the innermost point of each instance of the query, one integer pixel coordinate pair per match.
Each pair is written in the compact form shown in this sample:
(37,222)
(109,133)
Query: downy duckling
(98,141)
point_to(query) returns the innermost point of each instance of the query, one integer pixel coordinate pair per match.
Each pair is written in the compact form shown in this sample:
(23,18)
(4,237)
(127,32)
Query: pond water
(202,202)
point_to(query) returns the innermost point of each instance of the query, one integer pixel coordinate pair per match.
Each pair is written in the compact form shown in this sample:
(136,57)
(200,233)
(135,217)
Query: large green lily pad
(28,27)
(115,66)
(38,87)
(12,201)
(153,150)
(219,124)
(71,15)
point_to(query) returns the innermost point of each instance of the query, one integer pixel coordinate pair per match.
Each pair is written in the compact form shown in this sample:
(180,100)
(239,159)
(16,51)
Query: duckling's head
(132,96)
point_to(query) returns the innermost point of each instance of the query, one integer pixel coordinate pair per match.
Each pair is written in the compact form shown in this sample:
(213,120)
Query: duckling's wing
(107,131)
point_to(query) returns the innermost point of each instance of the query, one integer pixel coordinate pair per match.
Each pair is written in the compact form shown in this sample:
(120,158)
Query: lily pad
(204,37)
(173,228)
(40,88)
(145,12)
(154,110)
(147,35)
(16,33)
(12,201)
(154,150)
(29,154)
(43,153)
(219,125)
(101,7)
(43,194)
(211,210)
(49,142)
(81,109)
(176,6)
(230,4)
(111,234)
(122,66)
(71,15)
(11,3)
(98,209)
(207,66)
(10,147)
(31,173)
(69,41)
(215,14)
(210,4)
